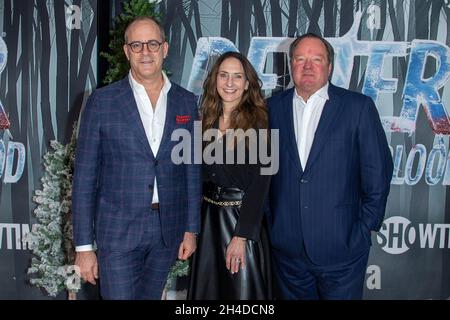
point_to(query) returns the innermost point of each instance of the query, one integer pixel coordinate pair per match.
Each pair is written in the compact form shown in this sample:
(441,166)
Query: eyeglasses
(138,46)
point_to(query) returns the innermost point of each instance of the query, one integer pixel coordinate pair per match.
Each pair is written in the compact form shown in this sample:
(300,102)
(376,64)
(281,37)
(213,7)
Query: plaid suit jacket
(115,170)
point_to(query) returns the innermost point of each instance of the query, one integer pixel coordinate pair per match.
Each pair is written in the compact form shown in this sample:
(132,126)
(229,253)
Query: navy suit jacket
(115,171)
(331,205)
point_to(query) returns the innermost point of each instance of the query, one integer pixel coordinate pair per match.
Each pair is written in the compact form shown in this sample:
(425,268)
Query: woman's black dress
(210,278)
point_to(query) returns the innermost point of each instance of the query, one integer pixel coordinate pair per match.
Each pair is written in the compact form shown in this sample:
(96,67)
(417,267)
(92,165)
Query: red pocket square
(183,119)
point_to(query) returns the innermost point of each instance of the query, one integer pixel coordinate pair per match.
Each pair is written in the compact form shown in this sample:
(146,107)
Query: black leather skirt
(210,279)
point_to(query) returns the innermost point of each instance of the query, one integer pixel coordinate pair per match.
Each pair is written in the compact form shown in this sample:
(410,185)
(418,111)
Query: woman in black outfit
(232,259)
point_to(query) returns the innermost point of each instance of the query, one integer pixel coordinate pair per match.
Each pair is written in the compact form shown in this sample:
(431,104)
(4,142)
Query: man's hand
(87,262)
(188,246)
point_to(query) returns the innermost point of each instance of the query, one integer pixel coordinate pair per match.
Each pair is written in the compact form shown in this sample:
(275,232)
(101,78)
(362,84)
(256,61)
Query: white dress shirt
(153,122)
(306,119)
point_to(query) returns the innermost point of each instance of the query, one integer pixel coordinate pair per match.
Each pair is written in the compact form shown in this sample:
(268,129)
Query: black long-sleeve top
(246,177)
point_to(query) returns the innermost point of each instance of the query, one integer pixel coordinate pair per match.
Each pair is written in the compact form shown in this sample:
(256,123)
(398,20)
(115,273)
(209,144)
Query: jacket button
(156,163)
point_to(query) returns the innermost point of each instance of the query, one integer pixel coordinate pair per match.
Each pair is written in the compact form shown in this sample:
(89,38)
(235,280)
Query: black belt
(219,193)
(155,206)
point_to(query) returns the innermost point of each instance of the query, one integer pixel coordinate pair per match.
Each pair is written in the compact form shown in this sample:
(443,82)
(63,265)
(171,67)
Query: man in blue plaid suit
(129,198)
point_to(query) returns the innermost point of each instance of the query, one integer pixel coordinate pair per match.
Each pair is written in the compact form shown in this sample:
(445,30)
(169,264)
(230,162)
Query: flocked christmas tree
(51,238)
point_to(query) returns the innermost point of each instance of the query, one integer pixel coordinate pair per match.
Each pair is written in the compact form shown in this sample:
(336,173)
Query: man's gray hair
(145,18)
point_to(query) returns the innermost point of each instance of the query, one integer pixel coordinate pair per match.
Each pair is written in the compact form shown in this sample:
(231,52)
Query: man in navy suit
(333,182)
(128,196)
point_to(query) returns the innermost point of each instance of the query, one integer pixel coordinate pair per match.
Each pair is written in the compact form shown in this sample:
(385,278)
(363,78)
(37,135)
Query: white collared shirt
(153,122)
(306,119)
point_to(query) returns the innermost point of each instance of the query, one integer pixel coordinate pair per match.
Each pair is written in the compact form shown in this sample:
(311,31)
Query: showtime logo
(398,235)
(12,235)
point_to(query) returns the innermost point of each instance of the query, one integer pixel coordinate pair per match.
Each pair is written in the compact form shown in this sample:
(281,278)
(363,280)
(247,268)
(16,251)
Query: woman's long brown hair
(251,112)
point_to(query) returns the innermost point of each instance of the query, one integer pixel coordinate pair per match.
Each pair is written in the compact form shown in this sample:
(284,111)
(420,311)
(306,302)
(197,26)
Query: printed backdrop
(396,51)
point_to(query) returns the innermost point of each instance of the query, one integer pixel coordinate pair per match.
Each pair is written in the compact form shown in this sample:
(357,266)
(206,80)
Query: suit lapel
(290,132)
(330,113)
(169,124)
(131,114)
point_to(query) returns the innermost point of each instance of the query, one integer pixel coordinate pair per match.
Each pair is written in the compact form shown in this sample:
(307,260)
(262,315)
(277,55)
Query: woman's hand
(235,255)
